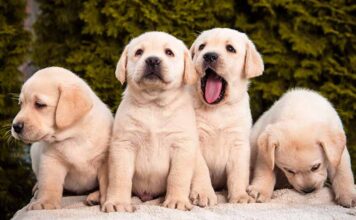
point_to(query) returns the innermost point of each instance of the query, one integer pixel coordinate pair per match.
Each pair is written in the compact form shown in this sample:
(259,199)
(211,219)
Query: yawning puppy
(225,59)
(70,128)
(301,137)
(155,140)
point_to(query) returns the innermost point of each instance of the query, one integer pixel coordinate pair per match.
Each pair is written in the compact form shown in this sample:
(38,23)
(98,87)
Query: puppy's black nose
(153,61)
(210,57)
(308,189)
(18,127)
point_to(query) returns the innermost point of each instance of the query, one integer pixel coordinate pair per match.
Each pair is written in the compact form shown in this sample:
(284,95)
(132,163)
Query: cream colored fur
(224,128)
(302,137)
(155,141)
(70,135)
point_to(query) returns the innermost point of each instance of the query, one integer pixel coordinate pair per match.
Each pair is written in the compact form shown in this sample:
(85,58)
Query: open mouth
(213,87)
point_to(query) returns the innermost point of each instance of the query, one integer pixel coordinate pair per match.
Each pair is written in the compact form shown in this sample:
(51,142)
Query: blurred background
(305,43)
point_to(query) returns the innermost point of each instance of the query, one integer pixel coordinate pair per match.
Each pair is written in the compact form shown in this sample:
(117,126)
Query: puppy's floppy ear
(253,61)
(120,71)
(267,143)
(190,75)
(192,50)
(73,104)
(333,142)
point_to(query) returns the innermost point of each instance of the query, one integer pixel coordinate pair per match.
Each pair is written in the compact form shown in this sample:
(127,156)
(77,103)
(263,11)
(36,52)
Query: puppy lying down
(154,148)
(69,127)
(301,137)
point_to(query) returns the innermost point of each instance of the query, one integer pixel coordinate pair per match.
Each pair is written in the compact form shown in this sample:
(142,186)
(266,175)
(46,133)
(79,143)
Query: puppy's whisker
(7,133)
(14,96)
(197,33)
(10,140)
(8,137)
(5,128)
(7,124)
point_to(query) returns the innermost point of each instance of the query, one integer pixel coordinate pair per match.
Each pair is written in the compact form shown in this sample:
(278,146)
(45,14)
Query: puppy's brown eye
(315,167)
(230,48)
(290,171)
(40,105)
(138,52)
(169,52)
(201,46)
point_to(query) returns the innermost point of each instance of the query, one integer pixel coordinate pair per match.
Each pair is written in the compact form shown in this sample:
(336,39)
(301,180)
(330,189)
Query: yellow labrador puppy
(225,60)
(155,140)
(301,137)
(70,129)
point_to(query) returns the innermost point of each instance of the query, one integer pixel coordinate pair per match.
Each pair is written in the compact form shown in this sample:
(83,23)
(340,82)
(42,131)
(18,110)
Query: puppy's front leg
(202,192)
(180,176)
(238,172)
(50,184)
(121,170)
(343,182)
(99,196)
(103,182)
(263,182)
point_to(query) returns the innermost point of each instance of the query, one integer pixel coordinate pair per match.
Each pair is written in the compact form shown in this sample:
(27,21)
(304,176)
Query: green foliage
(15,176)
(306,43)
(88,37)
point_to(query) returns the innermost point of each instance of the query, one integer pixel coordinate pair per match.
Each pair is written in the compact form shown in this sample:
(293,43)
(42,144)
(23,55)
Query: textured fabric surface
(286,204)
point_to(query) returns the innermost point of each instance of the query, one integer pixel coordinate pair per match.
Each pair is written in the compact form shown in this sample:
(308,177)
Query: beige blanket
(286,205)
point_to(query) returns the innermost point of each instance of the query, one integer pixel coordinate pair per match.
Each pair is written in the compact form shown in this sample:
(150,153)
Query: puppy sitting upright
(301,137)
(155,140)
(70,128)
(225,59)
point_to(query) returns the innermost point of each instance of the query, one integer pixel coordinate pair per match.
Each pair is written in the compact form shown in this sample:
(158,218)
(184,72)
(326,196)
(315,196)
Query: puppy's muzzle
(153,69)
(308,189)
(18,127)
(210,57)
(213,86)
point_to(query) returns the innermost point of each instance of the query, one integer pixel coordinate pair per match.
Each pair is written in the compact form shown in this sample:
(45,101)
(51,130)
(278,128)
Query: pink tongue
(212,89)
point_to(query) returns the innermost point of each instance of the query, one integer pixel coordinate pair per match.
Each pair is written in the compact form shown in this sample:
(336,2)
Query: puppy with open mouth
(154,148)
(225,60)
(70,129)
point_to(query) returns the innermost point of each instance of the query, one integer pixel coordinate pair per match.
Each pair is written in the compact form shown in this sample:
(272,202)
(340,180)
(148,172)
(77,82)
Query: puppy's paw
(242,197)
(346,200)
(93,198)
(44,204)
(259,195)
(180,204)
(203,198)
(117,207)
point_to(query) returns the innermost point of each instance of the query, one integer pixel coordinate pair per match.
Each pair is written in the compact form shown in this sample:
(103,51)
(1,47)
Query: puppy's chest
(153,146)
(216,134)
(153,133)
(216,139)
(152,159)
(81,157)
(153,137)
